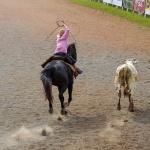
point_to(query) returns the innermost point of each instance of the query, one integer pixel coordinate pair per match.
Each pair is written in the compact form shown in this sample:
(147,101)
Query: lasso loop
(60,22)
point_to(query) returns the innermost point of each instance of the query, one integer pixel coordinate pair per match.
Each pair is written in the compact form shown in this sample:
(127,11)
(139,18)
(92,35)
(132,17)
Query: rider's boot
(76,72)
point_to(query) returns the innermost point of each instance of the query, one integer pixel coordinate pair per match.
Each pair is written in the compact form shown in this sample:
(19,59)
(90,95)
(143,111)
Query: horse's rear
(58,74)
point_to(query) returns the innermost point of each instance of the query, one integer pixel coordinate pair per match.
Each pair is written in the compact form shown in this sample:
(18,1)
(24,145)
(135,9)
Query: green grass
(132,17)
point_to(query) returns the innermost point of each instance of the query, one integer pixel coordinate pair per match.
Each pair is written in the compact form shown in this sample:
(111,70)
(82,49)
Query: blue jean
(66,55)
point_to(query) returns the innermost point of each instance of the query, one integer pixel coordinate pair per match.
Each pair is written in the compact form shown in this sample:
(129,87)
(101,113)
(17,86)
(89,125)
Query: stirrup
(79,71)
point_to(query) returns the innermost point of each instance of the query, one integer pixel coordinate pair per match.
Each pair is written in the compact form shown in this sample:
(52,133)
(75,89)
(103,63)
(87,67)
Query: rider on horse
(62,45)
(61,49)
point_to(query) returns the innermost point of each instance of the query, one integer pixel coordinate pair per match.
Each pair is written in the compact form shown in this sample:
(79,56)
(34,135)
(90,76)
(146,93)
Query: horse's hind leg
(61,98)
(70,87)
(50,107)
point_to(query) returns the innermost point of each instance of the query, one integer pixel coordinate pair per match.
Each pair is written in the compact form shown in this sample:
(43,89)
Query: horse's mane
(72,45)
(72,50)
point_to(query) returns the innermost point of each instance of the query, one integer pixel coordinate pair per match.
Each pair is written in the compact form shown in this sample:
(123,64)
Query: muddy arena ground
(93,121)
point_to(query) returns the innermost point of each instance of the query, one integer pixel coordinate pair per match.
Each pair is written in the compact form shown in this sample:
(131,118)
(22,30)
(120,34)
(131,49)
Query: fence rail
(140,6)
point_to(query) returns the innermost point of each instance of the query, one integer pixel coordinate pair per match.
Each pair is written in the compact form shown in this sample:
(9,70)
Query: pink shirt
(62,43)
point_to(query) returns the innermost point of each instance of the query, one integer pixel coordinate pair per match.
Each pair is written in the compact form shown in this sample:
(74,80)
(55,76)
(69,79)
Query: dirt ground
(93,121)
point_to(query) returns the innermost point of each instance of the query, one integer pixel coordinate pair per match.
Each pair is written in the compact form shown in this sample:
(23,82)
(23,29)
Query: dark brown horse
(57,73)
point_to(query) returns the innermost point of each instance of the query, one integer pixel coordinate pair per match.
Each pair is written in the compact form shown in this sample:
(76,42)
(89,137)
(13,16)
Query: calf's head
(132,61)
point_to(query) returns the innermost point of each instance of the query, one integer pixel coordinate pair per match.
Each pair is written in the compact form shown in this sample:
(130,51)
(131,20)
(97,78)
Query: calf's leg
(131,106)
(119,95)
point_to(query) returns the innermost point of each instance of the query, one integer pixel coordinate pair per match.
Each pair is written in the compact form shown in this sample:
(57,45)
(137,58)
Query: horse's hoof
(51,110)
(63,112)
(66,112)
(119,108)
(131,110)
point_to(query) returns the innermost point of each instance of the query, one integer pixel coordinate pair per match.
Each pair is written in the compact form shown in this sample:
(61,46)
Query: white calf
(126,77)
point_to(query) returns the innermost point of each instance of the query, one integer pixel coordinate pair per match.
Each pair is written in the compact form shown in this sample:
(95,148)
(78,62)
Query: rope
(60,22)
(51,33)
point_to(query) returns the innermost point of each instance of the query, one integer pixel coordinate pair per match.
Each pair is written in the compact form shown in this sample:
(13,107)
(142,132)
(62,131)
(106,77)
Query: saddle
(65,59)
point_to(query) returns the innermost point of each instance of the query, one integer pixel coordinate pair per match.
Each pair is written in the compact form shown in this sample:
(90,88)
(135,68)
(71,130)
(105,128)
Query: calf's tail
(126,86)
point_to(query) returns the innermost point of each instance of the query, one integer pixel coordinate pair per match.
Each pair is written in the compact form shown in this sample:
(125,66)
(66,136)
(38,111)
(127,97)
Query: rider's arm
(65,26)
(66,34)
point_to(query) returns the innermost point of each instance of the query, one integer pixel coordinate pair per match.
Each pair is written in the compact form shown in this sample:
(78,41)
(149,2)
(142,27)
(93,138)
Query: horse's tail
(47,85)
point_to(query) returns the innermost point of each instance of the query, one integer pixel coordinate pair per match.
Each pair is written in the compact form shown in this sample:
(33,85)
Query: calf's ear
(135,61)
